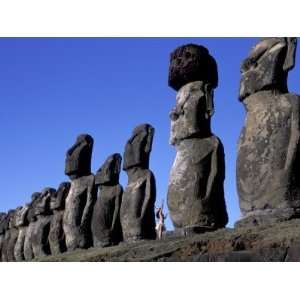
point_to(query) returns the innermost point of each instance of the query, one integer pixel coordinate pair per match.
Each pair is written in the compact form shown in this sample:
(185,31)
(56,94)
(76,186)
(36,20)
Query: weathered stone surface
(11,236)
(57,205)
(5,234)
(268,179)
(78,213)
(31,218)
(137,208)
(22,225)
(195,193)
(279,242)
(106,227)
(78,157)
(267,66)
(2,231)
(190,63)
(40,235)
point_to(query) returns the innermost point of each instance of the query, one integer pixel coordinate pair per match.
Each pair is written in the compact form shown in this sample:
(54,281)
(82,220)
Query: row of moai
(93,210)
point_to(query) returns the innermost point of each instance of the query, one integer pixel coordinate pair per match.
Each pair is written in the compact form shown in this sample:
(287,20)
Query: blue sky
(53,89)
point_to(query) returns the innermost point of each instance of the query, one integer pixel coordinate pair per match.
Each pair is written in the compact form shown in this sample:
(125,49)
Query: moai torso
(11,237)
(56,235)
(80,199)
(40,235)
(268,179)
(32,221)
(195,193)
(22,225)
(137,208)
(106,227)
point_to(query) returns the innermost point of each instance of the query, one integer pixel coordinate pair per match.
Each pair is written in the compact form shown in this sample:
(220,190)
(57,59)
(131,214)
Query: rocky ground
(280,242)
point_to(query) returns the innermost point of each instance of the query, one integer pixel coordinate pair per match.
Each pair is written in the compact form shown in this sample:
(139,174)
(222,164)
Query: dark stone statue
(268,177)
(40,236)
(22,225)
(106,227)
(137,208)
(3,229)
(11,236)
(57,205)
(31,219)
(195,193)
(81,197)
(2,232)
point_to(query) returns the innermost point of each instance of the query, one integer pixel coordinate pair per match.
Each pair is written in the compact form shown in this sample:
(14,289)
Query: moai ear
(150,134)
(289,62)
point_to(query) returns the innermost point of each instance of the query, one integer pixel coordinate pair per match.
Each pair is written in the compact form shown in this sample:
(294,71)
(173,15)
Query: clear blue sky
(53,89)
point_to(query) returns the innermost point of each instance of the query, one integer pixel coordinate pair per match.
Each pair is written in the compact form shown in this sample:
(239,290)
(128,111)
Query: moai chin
(137,208)
(32,221)
(195,194)
(106,227)
(268,177)
(22,225)
(80,199)
(57,206)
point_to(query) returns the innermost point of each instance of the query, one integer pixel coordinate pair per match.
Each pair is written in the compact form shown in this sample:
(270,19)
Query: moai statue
(2,231)
(11,236)
(81,197)
(6,235)
(57,205)
(22,225)
(106,227)
(31,219)
(137,208)
(40,236)
(268,177)
(195,193)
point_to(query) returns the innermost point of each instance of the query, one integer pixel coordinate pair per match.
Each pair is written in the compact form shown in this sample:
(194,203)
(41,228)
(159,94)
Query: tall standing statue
(137,208)
(195,193)
(3,227)
(40,236)
(22,225)
(80,199)
(11,236)
(268,176)
(31,219)
(106,226)
(57,239)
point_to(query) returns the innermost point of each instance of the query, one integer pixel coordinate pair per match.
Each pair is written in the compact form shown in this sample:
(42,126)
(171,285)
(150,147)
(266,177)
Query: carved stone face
(78,157)
(267,66)
(138,147)
(57,201)
(31,211)
(189,117)
(109,171)
(192,63)
(21,215)
(42,206)
(11,218)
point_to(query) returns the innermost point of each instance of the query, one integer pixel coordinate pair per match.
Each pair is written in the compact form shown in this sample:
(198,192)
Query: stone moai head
(57,201)
(31,211)
(109,172)
(190,63)
(11,218)
(138,147)
(42,206)
(78,157)
(267,66)
(21,215)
